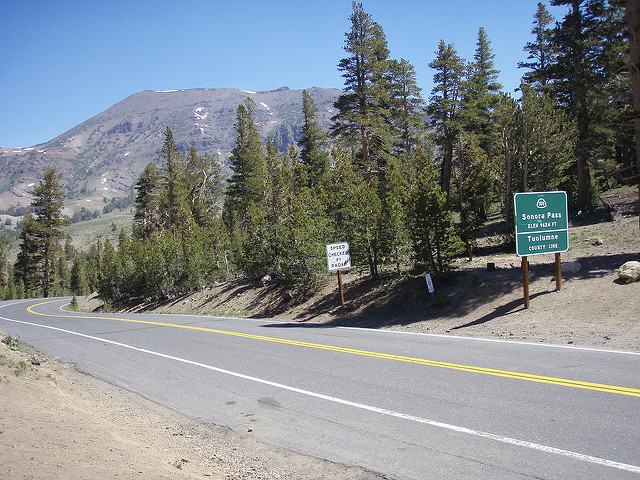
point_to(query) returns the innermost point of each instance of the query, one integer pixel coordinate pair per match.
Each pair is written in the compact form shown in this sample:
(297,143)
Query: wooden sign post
(525,281)
(340,290)
(558,273)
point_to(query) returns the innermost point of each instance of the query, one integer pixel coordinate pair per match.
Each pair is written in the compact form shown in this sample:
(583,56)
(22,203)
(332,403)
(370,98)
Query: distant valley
(102,158)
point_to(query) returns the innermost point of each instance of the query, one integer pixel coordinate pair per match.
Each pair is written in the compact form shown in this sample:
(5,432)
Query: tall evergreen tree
(314,152)
(481,94)
(205,187)
(550,139)
(363,125)
(176,189)
(26,267)
(78,283)
(146,215)
(444,106)
(541,51)
(407,107)
(246,186)
(572,75)
(507,120)
(363,107)
(434,239)
(357,213)
(43,232)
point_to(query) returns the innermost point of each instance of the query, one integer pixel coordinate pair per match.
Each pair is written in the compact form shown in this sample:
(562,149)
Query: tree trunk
(445,170)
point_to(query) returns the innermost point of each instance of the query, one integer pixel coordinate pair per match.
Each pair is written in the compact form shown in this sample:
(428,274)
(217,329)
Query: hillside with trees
(408,182)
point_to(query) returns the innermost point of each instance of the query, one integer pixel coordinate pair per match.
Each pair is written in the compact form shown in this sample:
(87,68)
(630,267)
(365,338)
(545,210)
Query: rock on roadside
(629,271)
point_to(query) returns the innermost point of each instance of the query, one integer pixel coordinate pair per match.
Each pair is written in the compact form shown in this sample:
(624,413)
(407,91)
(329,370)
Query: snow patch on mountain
(201,113)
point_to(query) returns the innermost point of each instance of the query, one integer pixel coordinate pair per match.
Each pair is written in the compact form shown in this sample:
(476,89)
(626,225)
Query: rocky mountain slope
(103,157)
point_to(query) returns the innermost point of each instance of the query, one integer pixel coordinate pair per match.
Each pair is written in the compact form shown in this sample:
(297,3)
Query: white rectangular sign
(338,256)
(427,277)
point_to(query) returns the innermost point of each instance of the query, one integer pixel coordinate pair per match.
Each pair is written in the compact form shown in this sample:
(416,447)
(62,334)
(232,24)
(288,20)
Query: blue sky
(63,62)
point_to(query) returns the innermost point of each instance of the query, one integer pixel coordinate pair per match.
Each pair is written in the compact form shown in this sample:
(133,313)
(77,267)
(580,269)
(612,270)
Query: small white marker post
(427,277)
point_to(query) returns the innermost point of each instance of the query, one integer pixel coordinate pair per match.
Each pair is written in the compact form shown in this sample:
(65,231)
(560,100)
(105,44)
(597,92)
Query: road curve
(408,406)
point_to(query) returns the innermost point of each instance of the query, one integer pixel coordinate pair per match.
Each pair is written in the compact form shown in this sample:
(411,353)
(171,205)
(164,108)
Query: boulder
(571,267)
(630,271)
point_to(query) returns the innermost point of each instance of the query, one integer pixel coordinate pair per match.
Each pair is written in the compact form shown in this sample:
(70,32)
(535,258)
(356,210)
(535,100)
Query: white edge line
(514,342)
(434,423)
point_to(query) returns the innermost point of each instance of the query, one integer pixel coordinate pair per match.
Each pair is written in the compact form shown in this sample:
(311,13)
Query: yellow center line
(420,361)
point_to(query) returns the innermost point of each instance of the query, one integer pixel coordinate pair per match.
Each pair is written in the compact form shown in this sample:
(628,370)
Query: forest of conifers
(406,181)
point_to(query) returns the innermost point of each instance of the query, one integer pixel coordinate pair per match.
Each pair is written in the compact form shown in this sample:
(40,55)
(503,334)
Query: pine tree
(147,218)
(26,268)
(314,152)
(571,77)
(363,107)
(475,181)
(78,281)
(434,239)
(550,139)
(507,120)
(307,232)
(37,259)
(541,52)
(246,186)
(610,99)
(205,182)
(3,263)
(277,192)
(110,274)
(407,107)
(481,94)
(357,212)
(362,125)
(444,107)
(175,203)
(537,144)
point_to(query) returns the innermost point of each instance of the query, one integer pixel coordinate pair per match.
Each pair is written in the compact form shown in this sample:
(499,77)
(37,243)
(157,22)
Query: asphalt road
(408,406)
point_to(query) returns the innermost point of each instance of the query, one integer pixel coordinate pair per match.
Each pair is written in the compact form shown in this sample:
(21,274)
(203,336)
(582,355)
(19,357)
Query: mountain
(103,157)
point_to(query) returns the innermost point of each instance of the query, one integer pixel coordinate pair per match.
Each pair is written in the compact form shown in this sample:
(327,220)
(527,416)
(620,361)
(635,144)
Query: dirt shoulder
(58,423)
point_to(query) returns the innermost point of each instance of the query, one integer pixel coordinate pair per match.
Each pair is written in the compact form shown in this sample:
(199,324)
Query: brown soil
(57,423)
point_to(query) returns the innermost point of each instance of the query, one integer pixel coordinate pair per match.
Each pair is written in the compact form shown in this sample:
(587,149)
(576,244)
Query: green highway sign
(542,223)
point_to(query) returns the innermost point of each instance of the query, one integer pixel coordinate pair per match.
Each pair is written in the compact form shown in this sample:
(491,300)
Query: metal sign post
(542,226)
(338,259)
